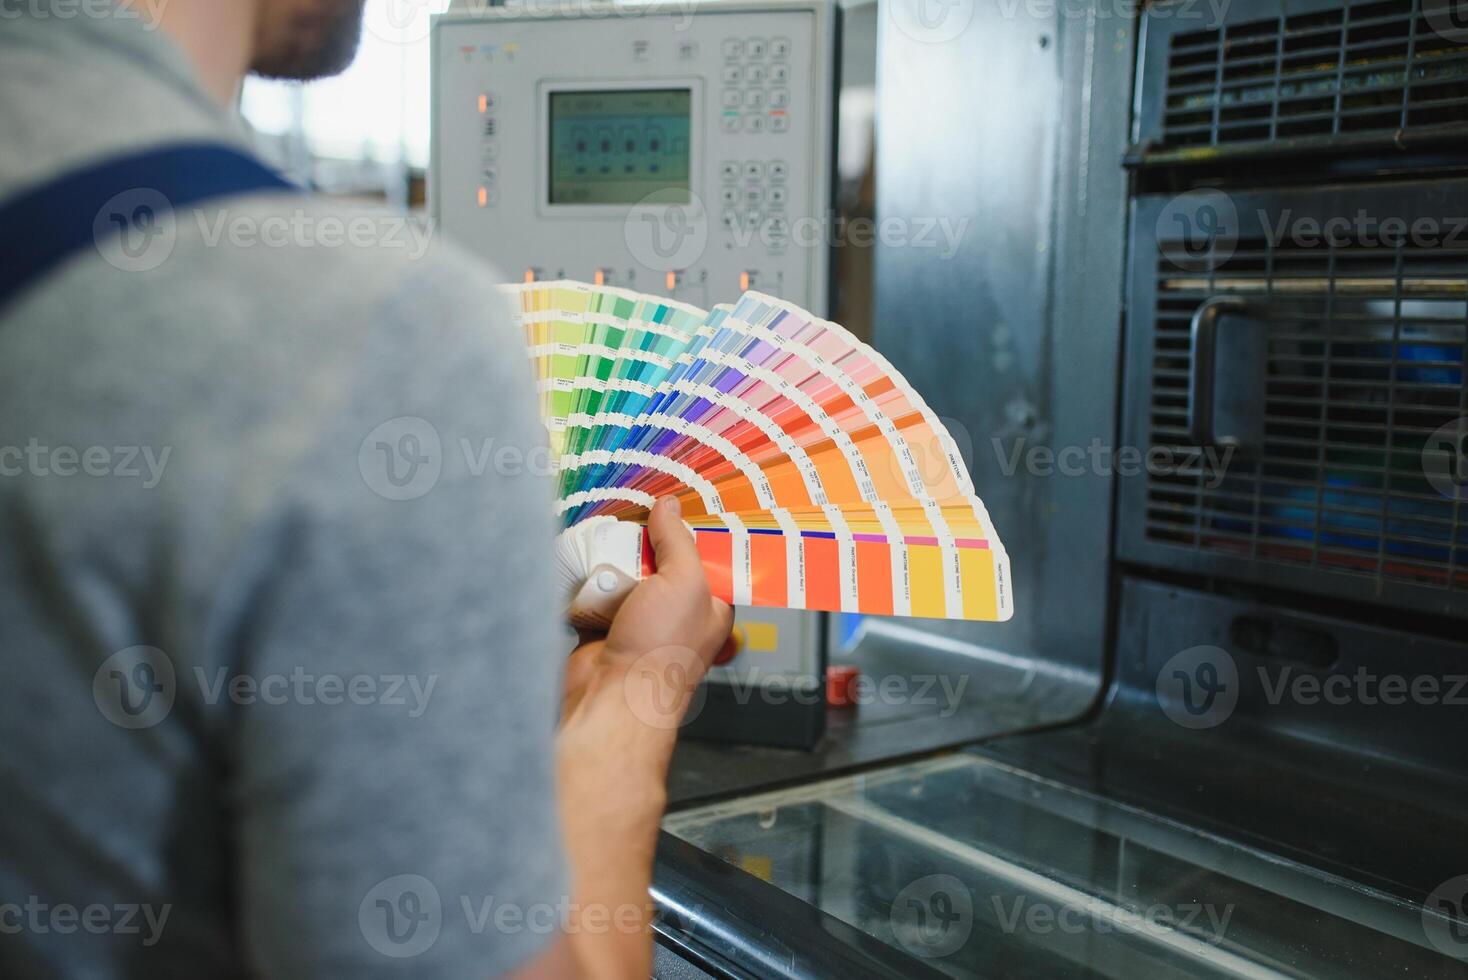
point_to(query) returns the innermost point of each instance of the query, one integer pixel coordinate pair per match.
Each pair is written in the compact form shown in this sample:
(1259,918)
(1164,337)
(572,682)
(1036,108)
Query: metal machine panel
(1355,485)
(991,122)
(1273,75)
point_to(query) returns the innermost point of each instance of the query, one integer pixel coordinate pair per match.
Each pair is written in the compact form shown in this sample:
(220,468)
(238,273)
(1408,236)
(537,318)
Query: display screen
(617,146)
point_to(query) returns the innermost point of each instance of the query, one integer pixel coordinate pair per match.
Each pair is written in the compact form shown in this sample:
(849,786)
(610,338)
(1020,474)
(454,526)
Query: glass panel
(987,870)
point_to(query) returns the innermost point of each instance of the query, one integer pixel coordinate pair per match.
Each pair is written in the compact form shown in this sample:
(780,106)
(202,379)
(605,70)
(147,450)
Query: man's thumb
(672,545)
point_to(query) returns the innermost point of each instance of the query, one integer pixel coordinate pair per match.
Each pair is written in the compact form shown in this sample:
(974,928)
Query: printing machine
(1203,339)
(1223,735)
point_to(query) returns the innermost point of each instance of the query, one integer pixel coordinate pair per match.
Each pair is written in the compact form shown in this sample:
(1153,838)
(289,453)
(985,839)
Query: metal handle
(1200,382)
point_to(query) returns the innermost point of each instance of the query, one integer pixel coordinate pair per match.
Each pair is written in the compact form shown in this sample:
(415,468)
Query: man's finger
(673,546)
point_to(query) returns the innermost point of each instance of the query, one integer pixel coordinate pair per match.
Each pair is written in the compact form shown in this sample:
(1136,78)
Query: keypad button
(779,48)
(778,196)
(754,194)
(733,48)
(755,47)
(729,170)
(779,74)
(754,170)
(751,219)
(731,123)
(754,123)
(731,220)
(779,98)
(755,74)
(733,98)
(779,123)
(779,170)
(755,98)
(733,74)
(729,196)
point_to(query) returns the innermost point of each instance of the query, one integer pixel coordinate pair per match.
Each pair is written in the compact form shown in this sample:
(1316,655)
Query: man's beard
(318,38)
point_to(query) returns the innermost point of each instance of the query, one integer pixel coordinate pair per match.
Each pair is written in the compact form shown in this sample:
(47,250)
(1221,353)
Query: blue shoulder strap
(44,225)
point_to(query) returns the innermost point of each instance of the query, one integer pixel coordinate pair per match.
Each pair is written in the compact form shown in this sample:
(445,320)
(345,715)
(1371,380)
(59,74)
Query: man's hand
(625,699)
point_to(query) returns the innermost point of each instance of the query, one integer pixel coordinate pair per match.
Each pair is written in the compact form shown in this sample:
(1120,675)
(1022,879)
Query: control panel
(685,150)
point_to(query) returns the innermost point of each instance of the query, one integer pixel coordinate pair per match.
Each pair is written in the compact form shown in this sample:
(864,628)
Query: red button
(841,686)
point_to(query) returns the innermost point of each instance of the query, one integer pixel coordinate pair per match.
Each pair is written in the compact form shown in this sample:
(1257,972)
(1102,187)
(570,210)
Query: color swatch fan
(812,475)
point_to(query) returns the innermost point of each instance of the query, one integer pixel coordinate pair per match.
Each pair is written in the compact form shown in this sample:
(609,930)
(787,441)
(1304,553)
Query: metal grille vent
(1364,361)
(1385,68)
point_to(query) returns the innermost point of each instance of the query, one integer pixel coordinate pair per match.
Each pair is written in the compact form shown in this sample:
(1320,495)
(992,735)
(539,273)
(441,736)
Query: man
(263,712)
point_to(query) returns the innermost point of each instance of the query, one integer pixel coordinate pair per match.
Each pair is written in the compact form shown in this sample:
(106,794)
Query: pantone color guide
(812,474)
